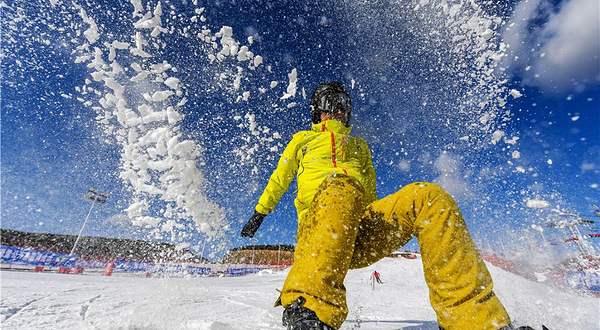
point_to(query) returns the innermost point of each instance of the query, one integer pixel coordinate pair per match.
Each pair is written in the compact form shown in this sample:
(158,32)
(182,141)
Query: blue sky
(414,93)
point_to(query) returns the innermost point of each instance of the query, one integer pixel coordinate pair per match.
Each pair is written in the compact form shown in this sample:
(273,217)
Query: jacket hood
(332,125)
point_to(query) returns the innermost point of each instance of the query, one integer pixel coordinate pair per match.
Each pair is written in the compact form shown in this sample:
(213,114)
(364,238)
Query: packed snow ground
(63,301)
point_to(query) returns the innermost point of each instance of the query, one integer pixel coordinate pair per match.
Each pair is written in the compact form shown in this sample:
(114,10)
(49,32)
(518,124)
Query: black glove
(252,225)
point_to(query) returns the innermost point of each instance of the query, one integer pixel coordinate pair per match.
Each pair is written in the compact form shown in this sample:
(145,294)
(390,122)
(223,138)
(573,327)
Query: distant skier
(377,278)
(342,225)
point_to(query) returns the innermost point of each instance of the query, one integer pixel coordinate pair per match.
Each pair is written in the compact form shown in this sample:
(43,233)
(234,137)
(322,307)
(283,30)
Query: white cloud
(404,165)
(450,176)
(563,54)
(517,36)
(587,166)
(537,203)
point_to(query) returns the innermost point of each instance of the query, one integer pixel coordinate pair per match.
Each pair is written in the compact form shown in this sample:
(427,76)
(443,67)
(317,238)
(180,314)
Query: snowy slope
(60,301)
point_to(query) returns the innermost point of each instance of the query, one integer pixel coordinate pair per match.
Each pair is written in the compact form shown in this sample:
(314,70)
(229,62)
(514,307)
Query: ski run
(90,301)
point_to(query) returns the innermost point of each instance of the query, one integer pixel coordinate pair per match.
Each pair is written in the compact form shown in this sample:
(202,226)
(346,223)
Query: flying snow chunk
(91,34)
(172,82)
(173,116)
(515,93)
(154,117)
(258,60)
(512,141)
(140,76)
(484,118)
(147,23)
(136,67)
(575,118)
(487,34)
(135,209)
(137,7)
(161,95)
(549,161)
(79,59)
(147,221)
(497,136)
(273,84)
(242,54)
(516,155)
(160,67)
(115,86)
(182,102)
(120,45)
(291,89)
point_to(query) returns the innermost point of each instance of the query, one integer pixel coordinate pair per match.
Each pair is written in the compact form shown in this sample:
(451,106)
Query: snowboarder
(342,225)
(377,278)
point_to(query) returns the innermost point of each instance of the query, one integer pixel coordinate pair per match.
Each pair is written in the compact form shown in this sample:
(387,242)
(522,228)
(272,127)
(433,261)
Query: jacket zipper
(333,156)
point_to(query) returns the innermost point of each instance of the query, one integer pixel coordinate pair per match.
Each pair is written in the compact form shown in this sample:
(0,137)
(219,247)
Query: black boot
(298,317)
(523,327)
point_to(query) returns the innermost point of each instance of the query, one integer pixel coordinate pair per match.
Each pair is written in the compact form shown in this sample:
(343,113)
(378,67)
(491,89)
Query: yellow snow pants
(339,233)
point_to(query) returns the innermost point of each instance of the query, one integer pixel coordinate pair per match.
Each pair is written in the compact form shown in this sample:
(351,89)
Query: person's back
(327,149)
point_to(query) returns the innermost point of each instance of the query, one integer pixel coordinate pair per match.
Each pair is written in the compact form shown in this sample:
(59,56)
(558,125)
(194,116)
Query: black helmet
(330,97)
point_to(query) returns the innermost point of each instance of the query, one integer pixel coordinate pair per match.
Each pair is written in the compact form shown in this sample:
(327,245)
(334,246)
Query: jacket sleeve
(280,180)
(369,175)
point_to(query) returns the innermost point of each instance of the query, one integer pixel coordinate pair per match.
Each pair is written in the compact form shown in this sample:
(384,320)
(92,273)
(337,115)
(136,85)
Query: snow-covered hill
(59,301)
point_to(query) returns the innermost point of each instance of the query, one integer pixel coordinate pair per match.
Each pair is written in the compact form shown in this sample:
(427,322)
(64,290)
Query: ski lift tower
(96,198)
(597,214)
(570,221)
(596,210)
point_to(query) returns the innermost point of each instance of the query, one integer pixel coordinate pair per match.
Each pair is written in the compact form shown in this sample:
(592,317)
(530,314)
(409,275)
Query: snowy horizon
(35,301)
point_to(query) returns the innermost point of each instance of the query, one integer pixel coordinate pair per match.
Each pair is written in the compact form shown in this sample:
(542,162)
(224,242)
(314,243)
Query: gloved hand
(252,225)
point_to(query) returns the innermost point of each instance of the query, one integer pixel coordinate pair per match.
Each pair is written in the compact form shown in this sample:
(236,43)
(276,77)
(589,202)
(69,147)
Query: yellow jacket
(314,155)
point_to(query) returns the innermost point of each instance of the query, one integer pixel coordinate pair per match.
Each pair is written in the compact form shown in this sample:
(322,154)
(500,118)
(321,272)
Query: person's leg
(325,244)
(459,283)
